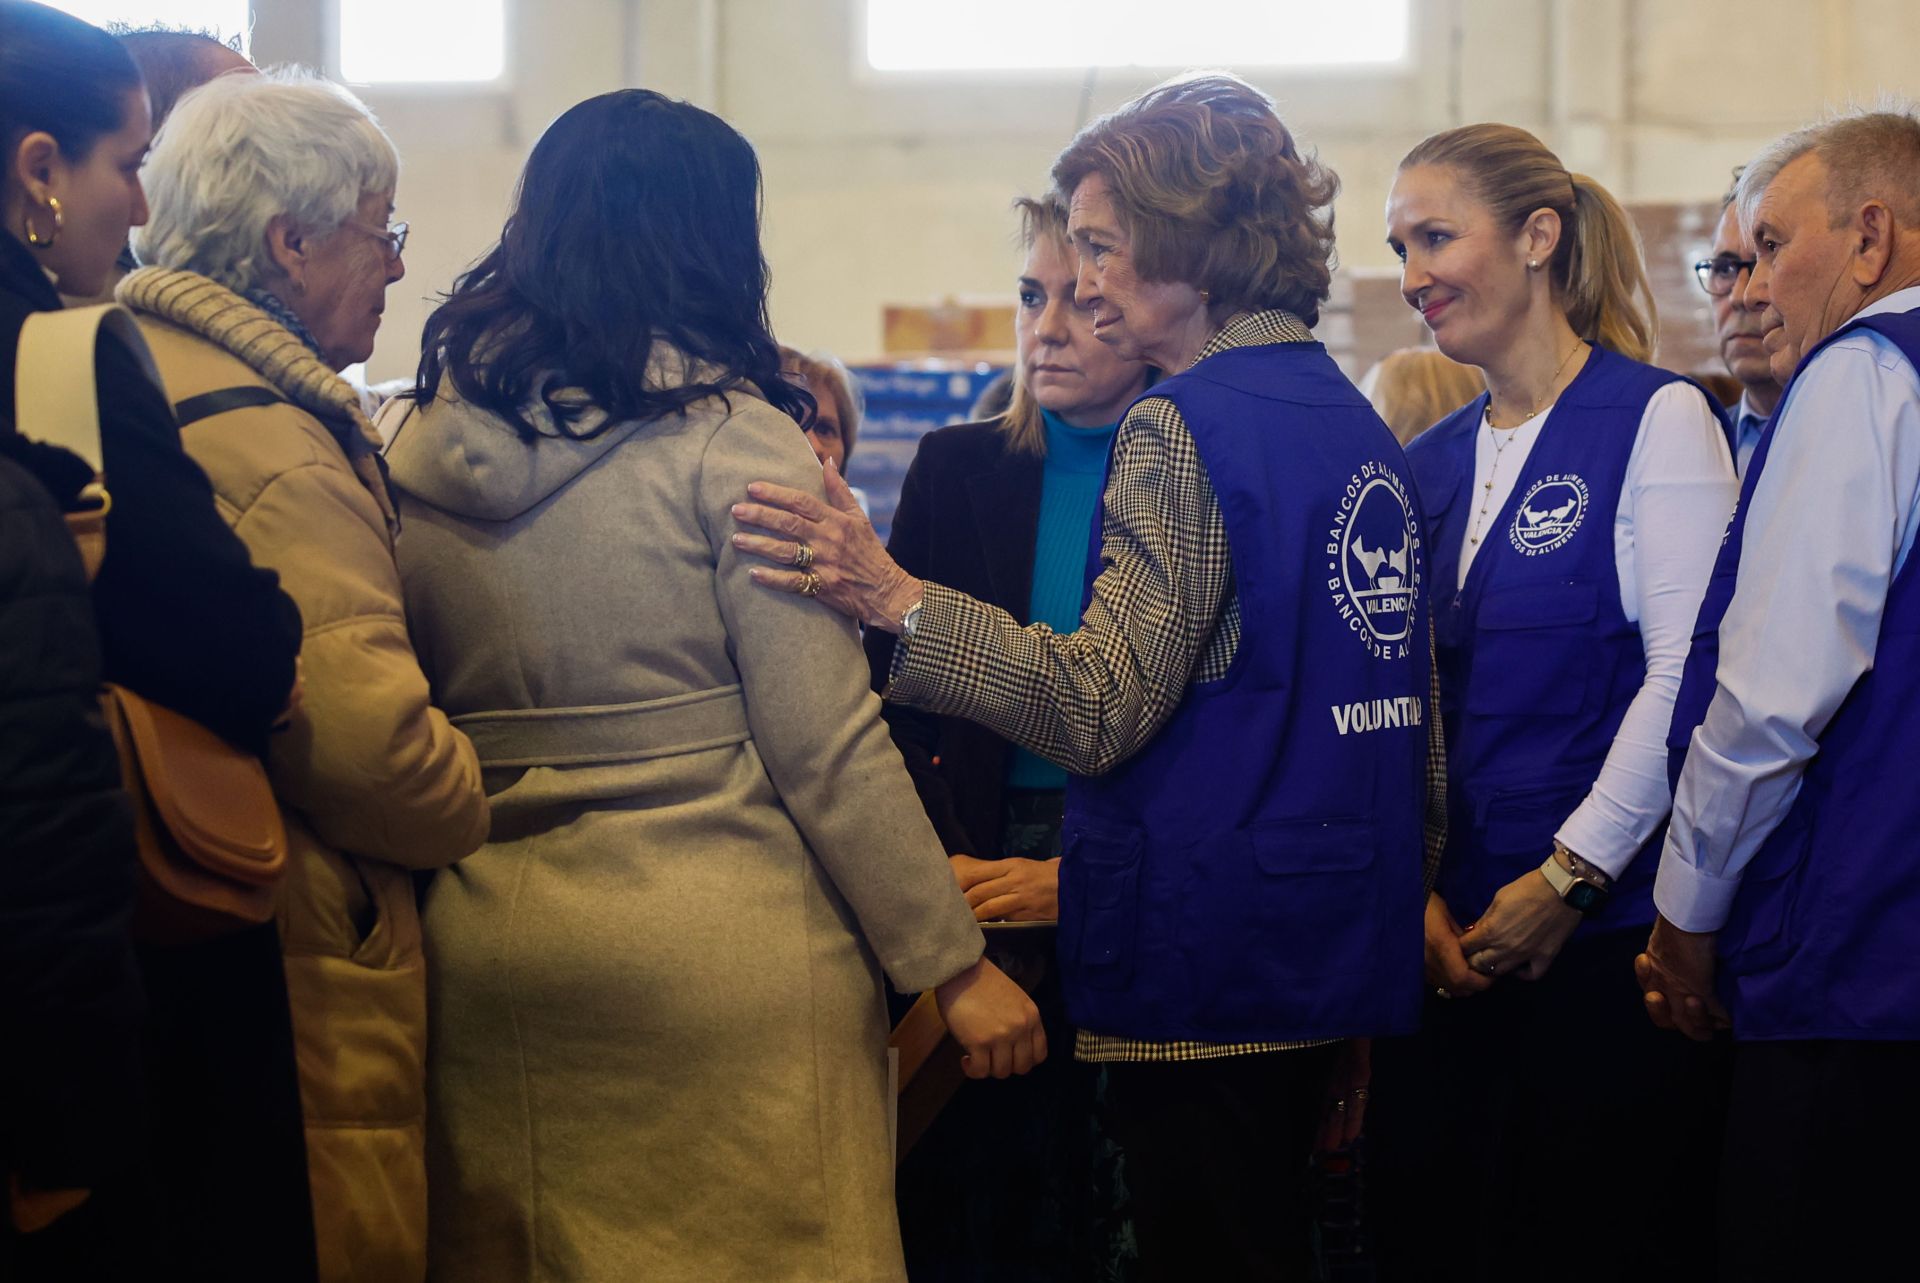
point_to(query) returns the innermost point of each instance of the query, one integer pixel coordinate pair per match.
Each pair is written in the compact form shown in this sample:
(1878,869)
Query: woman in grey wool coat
(656,1025)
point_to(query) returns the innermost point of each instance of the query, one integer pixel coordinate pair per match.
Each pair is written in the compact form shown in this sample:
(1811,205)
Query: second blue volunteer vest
(1253,873)
(1538,661)
(1821,942)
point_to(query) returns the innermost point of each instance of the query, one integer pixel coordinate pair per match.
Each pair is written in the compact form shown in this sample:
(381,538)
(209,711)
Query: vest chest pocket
(1099,902)
(1277,906)
(1534,650)
(1522,821)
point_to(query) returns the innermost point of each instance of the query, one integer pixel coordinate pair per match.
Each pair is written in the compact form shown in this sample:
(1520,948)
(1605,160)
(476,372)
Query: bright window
(1005,35)
(223,18)
(422,41)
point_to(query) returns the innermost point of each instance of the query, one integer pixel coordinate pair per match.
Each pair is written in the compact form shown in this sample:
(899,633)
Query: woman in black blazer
(1013,1180)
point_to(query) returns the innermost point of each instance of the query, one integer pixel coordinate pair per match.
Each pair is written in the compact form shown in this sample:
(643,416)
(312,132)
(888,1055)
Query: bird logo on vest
(1549,514)
(1373,562)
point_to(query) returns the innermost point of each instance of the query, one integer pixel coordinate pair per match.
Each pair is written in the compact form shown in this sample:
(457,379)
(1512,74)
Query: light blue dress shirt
(1748,423)
(1832,521)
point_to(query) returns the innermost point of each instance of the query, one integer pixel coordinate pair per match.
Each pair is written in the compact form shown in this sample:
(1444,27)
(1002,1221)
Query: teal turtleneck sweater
(1069,495)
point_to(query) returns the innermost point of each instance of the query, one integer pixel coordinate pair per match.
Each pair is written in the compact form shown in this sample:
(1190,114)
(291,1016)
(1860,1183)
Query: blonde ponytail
(1608,298)
(1598,273)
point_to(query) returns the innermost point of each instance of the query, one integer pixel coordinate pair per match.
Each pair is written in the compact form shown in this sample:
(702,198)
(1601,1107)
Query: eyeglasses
(1719,275)
(395,236)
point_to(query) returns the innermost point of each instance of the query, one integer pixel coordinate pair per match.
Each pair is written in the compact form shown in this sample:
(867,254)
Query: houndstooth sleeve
(1090,699)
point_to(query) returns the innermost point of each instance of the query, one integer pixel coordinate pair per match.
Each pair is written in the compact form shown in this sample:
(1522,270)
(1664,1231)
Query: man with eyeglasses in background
(1724,276)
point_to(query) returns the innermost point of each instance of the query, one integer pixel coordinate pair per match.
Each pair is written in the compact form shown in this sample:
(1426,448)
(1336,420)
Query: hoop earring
(34,238)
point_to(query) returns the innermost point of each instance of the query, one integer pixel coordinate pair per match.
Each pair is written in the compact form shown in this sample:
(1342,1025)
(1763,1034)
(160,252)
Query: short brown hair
(1213,192)
(1597,271)
(825,375)
(174,63)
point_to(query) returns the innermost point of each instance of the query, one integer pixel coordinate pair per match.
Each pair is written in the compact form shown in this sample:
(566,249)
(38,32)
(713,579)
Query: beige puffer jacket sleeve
(373,767)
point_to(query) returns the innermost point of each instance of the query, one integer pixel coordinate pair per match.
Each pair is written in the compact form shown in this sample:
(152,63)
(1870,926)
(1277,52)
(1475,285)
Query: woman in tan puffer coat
(270,199)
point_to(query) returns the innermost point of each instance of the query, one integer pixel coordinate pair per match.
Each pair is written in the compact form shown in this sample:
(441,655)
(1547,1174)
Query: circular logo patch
(1549,514)
(1373,564)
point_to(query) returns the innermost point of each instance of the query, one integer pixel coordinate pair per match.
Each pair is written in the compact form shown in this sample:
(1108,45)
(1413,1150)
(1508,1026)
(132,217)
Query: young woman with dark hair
(657,1028)
(184,619)
(637,222)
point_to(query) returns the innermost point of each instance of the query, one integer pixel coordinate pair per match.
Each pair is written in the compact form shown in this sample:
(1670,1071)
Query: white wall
(895,189)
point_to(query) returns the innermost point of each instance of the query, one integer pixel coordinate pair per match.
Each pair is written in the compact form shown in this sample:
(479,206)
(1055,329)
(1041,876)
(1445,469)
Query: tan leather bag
(211,842)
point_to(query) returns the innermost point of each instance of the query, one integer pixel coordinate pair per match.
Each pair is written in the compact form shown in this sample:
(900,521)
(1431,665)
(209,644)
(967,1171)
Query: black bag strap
(208,404)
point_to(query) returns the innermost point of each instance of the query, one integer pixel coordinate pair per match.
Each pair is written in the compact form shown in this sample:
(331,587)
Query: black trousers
(1546,1130)
(1819,1180)
(1216,1162)
(216,1191)
(228,1152)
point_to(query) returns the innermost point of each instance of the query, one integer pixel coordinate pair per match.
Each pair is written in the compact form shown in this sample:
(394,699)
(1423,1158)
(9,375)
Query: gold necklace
(1503,437)
(1501,440)
(1542,403)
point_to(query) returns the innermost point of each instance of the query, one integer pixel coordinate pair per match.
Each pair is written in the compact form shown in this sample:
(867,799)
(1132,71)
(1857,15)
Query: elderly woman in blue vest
(1572,516)
(1242,706)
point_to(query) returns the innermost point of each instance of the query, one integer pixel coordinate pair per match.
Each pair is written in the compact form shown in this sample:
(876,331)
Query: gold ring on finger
(809,585)
(802,555)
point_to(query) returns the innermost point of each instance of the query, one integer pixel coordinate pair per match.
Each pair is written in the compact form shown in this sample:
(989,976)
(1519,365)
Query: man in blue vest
(1792,866)
(1736,327)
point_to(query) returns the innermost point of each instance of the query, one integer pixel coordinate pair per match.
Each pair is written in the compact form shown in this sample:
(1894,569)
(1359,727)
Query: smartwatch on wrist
(1582,887)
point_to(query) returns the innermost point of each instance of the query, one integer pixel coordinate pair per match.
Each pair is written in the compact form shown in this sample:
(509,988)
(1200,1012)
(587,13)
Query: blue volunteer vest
(1538,661)
(1253,873)
(1823,937)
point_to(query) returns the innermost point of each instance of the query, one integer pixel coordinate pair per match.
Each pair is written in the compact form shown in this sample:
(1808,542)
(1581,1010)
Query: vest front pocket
(1522,821)
(1534,650)
(1276,907)
(1099,904)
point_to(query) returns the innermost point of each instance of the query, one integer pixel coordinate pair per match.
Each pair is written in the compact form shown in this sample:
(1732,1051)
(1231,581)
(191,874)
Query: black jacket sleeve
(186,619)
(69,997)
(916,734)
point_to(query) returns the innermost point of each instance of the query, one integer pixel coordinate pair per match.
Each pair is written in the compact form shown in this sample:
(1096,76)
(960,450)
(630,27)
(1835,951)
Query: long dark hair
(61,75)
(637,220)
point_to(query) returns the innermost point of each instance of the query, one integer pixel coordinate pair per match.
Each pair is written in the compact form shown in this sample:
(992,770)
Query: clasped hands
(1520,934)
(1010,890)
(1524,929)
(1676,975)
(1010,1039)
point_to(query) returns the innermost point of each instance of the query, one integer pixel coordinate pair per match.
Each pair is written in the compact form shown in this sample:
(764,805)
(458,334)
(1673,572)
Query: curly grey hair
(242,150)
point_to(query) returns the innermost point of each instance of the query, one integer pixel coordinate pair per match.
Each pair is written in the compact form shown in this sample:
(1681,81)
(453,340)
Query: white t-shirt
(1679,492)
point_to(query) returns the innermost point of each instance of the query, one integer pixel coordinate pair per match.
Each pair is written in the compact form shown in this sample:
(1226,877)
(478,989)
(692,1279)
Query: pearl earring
(1533,265)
